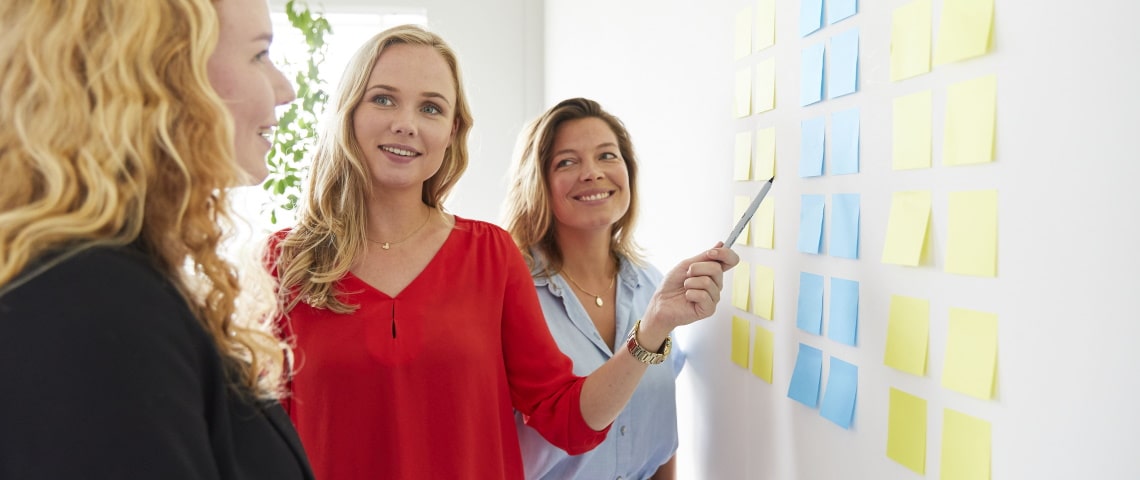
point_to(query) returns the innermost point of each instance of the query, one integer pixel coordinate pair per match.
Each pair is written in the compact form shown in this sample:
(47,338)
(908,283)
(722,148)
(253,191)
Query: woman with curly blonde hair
(417,332)
(126,350)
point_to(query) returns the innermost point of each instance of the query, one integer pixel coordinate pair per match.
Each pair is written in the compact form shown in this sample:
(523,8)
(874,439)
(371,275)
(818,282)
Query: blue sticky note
(805,377)
(843,76)
(811,224)
(844,226)
(839,9)
(811,75)
(842,387)
(809,308)
(811,16)
(843,318)
(845,142)
(811,147)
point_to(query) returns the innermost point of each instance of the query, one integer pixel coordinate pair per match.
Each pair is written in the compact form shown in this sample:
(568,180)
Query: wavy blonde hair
(110,134)
(329,235)
(528,215)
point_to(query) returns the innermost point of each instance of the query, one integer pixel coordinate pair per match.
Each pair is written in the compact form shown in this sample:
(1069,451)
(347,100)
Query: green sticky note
(966,447)
(906,431)
(908,333)
(971,353)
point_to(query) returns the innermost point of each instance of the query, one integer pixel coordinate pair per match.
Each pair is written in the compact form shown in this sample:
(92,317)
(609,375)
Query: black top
(105,373)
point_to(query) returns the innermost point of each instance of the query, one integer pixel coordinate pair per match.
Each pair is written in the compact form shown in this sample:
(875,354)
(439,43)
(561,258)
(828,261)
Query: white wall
(1068,263)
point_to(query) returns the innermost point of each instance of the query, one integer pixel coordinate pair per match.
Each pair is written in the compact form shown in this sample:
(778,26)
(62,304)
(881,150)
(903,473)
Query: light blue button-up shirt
(644,435)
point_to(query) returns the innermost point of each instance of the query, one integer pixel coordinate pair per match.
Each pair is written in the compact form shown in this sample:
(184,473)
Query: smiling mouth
(595,196)
(399,151)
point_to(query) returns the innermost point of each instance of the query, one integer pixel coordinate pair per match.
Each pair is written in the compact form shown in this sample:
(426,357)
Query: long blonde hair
(110,134)
(528,215)
(329,235)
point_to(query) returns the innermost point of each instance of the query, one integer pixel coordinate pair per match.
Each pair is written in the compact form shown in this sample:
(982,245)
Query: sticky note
(843,316)
(971,353)
(739,208)
(742,106)
(765,25)
(809,307)
(811,224)
(970,116)
(763,291)
(742,44)
(811,147)
(740,331)
(906,431)
(845,142)
(804,387)
(839,398)
(839,9)
(764,222)
(912,119)
(908,334)
(762,351)
(964,30)
(843,75)
(972,245)
(907,227)
(765,167)
(742,163)
(811,16)
(811,75)
(910,40)
(844,226)
(966,447)
(740,286)
(764,96)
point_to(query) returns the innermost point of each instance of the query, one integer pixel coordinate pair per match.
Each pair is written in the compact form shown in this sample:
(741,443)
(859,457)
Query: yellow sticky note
(910,40)
(742,46)
(764,222)
(906,227)
(908,333)
(765,25)
(762,350)
(971,353)
(912,131)
(764,96)
(970,116)
(906,431)
(763,291)
(740,286)
(965,447)
(741,206)
(972,245)
(742,165)
(765,167)
(964,31)
(740,331)
(743,104)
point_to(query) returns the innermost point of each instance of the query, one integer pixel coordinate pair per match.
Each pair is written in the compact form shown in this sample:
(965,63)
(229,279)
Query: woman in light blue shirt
(571,209)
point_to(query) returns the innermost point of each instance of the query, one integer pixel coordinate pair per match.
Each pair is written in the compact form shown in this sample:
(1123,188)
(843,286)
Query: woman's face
(251,86)
(589,181)
(406,120)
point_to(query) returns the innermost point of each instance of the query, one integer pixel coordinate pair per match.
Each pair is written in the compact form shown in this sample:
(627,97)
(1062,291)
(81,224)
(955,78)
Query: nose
(591,171)
(283,91)
(403,122)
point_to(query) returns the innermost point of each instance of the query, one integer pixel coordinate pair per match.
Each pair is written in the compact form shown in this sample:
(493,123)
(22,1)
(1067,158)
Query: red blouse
(423,385)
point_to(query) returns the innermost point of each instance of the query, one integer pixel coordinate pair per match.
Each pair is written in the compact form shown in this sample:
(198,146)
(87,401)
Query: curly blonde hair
(329,235)
(527,212)
(110,134)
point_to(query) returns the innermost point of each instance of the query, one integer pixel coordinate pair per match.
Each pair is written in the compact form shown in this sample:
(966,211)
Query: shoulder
(640,275)
(479,231)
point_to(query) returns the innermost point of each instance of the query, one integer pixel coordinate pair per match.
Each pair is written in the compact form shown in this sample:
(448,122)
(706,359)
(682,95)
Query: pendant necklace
(597,298)
(388,245)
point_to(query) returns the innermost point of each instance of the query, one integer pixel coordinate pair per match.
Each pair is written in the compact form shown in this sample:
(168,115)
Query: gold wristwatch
(641,354)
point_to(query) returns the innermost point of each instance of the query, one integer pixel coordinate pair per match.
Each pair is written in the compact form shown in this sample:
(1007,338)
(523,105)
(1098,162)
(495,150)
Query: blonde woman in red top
(416,332)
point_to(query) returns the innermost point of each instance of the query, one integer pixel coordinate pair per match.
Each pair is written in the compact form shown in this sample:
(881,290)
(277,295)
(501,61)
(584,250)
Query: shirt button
(619,477)
(623,433)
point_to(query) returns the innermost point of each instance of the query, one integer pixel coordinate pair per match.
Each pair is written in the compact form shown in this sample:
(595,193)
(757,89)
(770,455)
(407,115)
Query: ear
(454,127)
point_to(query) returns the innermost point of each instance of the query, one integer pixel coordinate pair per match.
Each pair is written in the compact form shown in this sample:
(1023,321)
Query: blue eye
(563,163)
(608,156)
(382,100)
(261,56)
(431,109)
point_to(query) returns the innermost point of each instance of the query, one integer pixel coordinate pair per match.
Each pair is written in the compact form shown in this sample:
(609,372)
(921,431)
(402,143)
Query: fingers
(725,256)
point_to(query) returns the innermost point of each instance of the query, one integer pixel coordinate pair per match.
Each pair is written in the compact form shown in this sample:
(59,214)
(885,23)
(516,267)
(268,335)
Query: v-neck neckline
(431,263)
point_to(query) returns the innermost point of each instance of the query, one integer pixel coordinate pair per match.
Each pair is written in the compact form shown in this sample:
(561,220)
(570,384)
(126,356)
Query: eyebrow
(571,150)
(268,37)
(394,89)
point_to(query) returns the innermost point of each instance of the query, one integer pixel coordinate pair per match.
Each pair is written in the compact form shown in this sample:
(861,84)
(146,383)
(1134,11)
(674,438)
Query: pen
(748,213)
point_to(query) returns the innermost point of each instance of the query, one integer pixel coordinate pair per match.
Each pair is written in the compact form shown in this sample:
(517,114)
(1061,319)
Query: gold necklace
(597,298)
(388,245)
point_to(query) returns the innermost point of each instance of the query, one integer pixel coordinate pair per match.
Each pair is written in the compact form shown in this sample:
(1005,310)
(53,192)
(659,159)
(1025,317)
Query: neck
(391,217)
(587,257)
